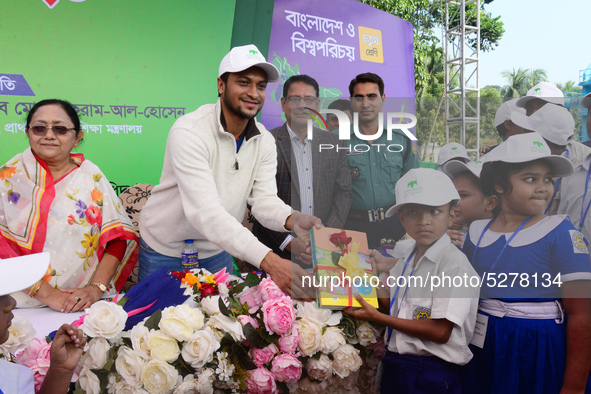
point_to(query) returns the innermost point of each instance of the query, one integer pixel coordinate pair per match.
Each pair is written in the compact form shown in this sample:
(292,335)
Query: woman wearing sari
(56,201)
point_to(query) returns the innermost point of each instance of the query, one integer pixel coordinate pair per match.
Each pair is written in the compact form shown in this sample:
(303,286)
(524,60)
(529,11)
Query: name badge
(480,330)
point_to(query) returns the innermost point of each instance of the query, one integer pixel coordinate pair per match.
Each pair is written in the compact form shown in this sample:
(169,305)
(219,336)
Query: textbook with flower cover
(340,268)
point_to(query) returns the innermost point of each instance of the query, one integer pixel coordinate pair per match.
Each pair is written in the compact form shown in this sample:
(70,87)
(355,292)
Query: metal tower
(462,53)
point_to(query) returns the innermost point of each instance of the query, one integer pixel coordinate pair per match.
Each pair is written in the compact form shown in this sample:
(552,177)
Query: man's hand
(288,276)
(366,312)
(299,250)
(380,263)
(302,224)
(484,149)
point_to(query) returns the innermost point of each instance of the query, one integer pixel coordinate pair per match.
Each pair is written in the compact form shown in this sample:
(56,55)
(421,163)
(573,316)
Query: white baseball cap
(586,101)
(505,110)
(455,168)
(544,91)
(245,57)
(453,150)
(423,186)
(18,273)
(522,148)
(553,122)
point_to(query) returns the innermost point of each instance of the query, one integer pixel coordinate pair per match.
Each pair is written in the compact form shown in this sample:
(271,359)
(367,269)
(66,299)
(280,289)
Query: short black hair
(308,80)
(342,105)
(65,105)
(364,78)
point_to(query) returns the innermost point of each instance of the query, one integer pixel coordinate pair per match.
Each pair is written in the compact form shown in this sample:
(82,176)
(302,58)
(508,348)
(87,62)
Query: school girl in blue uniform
(533,332)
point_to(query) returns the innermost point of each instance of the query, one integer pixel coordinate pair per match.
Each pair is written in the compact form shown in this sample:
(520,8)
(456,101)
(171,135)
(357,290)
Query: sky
(551,35)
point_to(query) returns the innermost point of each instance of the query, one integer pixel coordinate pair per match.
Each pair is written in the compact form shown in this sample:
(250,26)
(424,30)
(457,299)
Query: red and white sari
(72,218)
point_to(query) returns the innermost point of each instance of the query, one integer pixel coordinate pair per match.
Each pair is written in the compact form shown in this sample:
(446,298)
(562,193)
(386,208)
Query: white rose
(139,340)
(104,319)
(89,382)
(205,382)
(211,305)
(227,324)
(366,333)
(325,317)
(129,365)
(331,340)
(97,353)
(199,349)
(123,387)
(187,387)
(320,369)
(223,289)
(175,327)
(159,377)
(193,316)
(163,347)
(20,335)
(310,336)
(346,360)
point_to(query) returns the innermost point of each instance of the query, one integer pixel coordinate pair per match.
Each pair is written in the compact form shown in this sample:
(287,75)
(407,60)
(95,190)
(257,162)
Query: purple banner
(14,85)
(333,41)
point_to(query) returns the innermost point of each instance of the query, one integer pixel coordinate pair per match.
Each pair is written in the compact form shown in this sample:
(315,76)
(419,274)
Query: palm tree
(517,85)
(536,76)
(569,86)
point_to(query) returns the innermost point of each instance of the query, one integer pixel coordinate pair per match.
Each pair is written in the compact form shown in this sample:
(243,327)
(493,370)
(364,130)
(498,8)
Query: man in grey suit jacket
(310,180)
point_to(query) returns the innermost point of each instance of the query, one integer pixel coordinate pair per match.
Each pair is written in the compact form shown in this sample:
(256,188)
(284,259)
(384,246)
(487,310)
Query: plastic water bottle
(189,255)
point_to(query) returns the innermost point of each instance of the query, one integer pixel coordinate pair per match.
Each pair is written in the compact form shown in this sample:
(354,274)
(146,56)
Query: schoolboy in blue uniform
(535,269)
(429,328)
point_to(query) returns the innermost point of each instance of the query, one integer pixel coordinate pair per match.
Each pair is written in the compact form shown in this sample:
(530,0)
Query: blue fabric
(519,356)
(159,287)
(407,373)
(149,261)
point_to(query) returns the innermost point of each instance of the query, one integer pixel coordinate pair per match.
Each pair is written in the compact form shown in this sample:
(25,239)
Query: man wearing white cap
(540,95)
(557,126)
(451,151)
(586,103)
(66,348)
(219,158)
(505,127)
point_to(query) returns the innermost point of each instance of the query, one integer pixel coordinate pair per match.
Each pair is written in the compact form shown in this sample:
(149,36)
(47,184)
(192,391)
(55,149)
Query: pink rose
(29,356)
(289,343)
(279,315)
(269,290)
(264,355)
(261,381)
(245,319)
(252,297)
(287,368)
(36,358)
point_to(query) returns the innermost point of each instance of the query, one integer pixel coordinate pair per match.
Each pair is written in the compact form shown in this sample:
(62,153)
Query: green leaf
(253,337)
(282,387)
(127,342)
(110,364)
(182,367)
(122,301)
(154,320)
(103,377)
(48,339)
(81,255)
(97,177)
(270,338)
(243,358)
(227,340)
(223,308)
(235,304)
(251,280)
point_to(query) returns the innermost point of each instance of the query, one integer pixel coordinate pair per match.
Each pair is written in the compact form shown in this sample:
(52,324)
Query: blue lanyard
(555,189)
(398,288)
(584,215)
(491,269)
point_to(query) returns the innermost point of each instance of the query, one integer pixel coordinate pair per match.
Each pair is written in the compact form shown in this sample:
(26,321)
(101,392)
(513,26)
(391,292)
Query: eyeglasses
(58,130)
(307,100)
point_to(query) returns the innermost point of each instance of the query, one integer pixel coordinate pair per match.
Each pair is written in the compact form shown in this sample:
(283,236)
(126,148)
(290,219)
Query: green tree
(569,86)
(521,80)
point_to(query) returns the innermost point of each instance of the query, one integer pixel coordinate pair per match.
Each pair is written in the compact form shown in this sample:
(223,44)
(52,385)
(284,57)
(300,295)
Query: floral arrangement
(228,337)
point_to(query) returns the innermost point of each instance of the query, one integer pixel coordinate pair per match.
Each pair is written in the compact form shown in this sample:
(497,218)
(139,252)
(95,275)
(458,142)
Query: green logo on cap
(537,143)
(454,148)
(253,52)
(412,183)
(537,90)
(478,162)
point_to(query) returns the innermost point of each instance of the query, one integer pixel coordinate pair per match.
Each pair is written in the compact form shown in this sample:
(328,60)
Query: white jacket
(203,196)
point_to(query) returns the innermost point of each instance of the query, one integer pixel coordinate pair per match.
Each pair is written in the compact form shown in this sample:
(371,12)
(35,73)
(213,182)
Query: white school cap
(450,151)
(553,122)
(586,101)
(522,148)
(18,273)
(455,168)
(245,57)
(505,110)
(544,91)
(423,186)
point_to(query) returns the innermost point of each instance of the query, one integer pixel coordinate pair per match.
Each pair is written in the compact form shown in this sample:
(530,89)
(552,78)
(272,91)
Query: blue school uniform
(520,354)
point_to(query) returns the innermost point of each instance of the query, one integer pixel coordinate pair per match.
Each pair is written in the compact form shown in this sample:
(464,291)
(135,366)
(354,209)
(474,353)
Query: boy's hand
(380,263)
(67,347)
(457,237)
(366,312)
